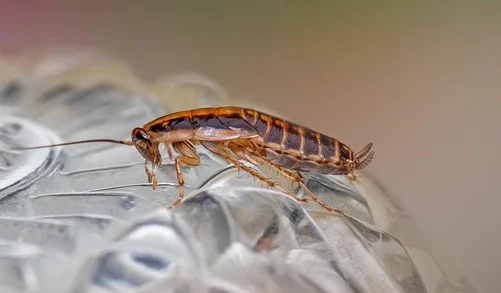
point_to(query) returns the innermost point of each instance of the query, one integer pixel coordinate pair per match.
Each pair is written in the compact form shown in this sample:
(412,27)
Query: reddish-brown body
(236,134)
(284,143)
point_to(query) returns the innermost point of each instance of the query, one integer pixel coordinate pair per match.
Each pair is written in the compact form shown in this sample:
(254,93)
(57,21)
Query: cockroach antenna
(129,143)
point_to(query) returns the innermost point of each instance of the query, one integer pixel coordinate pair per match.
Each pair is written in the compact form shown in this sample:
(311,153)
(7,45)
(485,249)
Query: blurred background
(420,79)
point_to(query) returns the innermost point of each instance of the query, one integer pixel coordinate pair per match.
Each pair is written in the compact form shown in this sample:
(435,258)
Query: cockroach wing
(214,134)
(212,129)
(238,124)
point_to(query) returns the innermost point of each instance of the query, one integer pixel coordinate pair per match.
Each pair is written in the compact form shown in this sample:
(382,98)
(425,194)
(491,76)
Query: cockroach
(241,134)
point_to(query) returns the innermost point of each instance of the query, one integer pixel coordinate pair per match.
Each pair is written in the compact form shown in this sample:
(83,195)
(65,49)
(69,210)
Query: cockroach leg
(189,161)
(168,148)
(301,184)
(152,178)
(188,157)
(225,153)
(293,178)
(250,156)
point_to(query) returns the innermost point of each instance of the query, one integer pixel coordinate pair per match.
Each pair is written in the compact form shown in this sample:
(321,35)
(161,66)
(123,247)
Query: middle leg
(189,161)
(188,157)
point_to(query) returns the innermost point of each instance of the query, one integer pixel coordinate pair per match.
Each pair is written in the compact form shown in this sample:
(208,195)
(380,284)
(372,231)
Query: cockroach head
(145,146)
(364,157)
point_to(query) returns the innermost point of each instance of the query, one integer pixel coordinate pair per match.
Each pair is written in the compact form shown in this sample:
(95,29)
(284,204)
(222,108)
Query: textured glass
(83,218)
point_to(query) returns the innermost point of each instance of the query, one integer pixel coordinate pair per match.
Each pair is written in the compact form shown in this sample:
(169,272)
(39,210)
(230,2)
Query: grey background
(419,79)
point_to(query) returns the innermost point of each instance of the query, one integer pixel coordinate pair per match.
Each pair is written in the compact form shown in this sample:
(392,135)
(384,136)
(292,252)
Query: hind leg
(247,155)
(224,152)
(246,152)
(301,184)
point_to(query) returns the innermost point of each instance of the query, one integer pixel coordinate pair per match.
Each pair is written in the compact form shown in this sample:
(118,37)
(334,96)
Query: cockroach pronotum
(236,134)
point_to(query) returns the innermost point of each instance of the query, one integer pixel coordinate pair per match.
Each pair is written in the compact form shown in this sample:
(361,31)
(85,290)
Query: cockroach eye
(139,134)
(142,142)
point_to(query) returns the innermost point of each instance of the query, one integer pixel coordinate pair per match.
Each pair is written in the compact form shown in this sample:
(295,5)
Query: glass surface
(83,218)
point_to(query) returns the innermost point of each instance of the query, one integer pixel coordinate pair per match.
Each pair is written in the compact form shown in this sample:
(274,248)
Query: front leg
(151,175)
